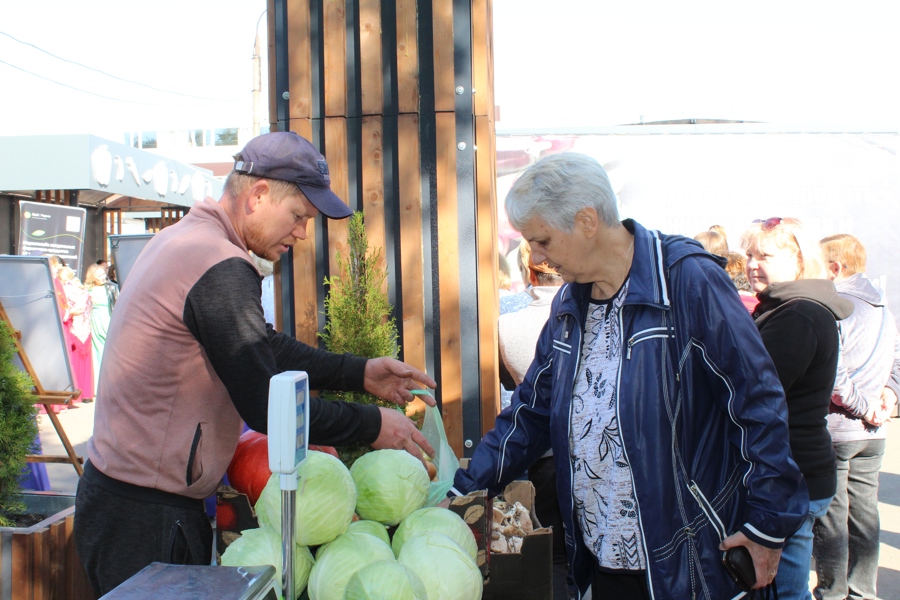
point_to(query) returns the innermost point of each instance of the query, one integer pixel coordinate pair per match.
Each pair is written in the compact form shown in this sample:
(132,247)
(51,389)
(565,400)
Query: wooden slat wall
(373,83)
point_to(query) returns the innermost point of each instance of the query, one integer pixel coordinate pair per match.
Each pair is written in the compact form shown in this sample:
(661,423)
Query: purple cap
(286,156)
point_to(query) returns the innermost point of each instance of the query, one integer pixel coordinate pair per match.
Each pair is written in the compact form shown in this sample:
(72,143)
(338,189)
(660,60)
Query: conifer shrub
(18,426)
(358,317)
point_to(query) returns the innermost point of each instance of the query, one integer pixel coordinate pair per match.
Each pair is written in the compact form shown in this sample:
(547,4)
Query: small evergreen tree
(18,425)
(359,317)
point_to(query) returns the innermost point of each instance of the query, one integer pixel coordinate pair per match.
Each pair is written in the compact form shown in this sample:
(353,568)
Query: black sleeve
(224,313)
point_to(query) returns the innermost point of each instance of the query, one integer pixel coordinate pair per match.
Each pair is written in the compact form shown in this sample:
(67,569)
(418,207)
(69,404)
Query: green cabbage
(337,561)
(390,484)
(385,580)
(372,528)
(263,547)
(446,569)
(440,520)
(324,504)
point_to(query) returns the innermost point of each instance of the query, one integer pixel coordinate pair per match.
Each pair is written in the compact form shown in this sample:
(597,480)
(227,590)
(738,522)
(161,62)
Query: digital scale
(288,427)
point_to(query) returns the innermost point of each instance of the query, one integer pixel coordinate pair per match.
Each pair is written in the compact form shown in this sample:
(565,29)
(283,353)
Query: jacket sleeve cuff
(761,538)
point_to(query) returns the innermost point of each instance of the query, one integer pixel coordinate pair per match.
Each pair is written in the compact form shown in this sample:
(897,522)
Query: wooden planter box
(40,562)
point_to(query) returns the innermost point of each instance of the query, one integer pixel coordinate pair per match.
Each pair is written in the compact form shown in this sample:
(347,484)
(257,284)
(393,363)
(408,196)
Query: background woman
(95,283)
(796,316)
(78,321)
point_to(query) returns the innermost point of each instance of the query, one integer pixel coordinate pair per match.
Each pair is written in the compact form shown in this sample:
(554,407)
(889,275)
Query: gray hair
(557,187)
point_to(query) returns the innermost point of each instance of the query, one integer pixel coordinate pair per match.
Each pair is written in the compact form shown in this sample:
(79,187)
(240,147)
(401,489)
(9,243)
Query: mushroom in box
(524,571)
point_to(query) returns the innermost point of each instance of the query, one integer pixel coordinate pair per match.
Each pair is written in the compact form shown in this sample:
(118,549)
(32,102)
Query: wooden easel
(48,398)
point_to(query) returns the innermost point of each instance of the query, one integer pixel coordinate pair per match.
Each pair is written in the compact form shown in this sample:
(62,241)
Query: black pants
(122,528)
(542,475)
(628,585)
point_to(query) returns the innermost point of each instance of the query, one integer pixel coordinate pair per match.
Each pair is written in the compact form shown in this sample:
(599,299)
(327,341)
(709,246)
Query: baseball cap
(285,156)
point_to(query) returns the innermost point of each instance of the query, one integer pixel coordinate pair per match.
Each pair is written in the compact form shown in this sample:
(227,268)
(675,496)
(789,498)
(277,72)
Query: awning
(101,169)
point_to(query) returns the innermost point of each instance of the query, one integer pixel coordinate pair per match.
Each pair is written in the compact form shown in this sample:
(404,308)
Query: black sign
(48,229)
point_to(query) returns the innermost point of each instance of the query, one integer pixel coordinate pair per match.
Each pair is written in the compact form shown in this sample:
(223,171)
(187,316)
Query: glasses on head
(768,224)
(772,223)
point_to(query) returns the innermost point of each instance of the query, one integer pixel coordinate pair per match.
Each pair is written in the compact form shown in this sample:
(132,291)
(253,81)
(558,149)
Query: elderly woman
(796,317)
(652,387)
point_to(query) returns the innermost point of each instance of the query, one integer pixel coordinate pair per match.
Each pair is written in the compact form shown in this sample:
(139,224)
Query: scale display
(288,421)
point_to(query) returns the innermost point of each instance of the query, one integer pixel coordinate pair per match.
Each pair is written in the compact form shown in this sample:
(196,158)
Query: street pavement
(78,423)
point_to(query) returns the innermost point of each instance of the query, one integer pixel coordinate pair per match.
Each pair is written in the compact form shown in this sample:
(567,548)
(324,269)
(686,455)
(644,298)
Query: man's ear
(835,269)
(257,192)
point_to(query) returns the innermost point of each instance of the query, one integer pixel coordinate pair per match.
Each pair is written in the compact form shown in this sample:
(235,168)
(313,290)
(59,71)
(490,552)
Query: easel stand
(48,398)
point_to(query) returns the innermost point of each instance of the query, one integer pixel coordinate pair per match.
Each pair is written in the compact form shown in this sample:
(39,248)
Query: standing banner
(48,229)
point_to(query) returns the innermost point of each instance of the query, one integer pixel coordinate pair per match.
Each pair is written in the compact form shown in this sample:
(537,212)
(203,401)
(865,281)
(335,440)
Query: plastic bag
(444,458)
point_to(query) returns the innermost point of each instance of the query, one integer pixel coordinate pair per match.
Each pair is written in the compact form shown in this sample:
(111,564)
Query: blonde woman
(95,283)
(796,317)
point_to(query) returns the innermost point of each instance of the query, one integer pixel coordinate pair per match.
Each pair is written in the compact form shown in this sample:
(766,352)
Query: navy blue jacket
(701,413)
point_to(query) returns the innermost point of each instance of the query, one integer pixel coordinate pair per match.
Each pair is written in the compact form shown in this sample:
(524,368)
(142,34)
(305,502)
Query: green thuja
(18,425)
(359,317)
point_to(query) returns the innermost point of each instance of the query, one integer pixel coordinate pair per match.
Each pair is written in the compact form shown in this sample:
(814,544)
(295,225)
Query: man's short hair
(845,249)
(238,183)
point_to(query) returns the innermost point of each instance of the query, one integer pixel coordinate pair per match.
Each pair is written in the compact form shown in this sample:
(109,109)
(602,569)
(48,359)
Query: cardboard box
(525,575)
(233,515)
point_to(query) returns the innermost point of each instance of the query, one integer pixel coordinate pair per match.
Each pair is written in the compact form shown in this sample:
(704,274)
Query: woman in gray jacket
(865,391)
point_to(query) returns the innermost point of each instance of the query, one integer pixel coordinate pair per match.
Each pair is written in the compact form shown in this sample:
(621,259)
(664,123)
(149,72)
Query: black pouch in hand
(739,565)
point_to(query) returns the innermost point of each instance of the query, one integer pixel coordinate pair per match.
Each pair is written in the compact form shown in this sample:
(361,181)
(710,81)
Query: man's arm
(224,313)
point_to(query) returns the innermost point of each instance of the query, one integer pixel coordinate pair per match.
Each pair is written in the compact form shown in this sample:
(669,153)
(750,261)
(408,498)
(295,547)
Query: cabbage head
(446,569)
(390,484)
(263,547)
(440,520)
(385,580)
(372,528)
(339,560)
(324,503)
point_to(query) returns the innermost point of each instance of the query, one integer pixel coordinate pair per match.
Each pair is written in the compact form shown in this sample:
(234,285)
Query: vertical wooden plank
(488,292)
(306,318)
(41,571)
(73,563)
(339,167)
(22,565)
(412,260)
(373,185)
(407,57)
(299,65)
(483,57)
(370,59)
(57,559)
(448,283)
(335,31)
(444,93)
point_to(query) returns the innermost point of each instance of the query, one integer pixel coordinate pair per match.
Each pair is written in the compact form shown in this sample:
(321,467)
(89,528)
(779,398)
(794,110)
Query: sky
(191,59)
(561,64)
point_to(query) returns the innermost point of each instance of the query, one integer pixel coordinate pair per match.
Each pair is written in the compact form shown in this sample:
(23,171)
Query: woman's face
(768,264)
(559,249)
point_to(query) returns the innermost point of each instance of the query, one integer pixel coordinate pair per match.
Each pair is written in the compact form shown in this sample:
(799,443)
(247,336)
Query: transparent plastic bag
(444,458)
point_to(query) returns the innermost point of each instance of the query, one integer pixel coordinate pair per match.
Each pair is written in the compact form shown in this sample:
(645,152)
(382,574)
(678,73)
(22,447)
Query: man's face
(274,227)
(558,248)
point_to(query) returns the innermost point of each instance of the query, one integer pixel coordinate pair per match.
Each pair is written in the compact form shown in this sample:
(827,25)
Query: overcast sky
(566,63)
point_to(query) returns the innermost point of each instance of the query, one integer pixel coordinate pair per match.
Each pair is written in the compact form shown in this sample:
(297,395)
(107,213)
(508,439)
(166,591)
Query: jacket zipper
(707,509)
(637,504)
(641,336)
(568,442)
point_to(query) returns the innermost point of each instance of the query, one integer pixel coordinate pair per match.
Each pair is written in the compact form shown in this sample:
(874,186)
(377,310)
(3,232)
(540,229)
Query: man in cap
(189,357)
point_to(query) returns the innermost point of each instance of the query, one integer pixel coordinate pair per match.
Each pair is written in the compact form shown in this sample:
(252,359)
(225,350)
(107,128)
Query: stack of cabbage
(357,560)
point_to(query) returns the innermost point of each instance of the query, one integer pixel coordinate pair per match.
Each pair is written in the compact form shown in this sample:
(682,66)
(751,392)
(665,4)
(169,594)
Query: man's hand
(883,414)
(392,380)
(764,559)
(398,432)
